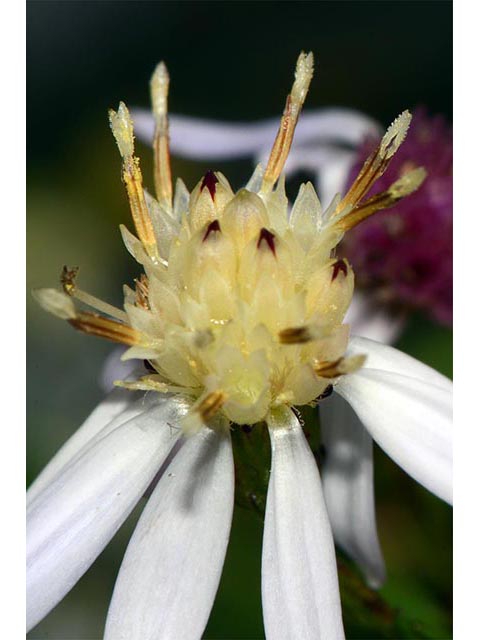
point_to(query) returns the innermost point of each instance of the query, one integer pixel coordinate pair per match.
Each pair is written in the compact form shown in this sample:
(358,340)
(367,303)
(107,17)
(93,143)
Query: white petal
(370,320)
(381,356)
(331,177)
(300,592)
(80,511)
(347,476)
(329,164)
(409,418)
(114,368)
(119,406)
(209,139)
(171,570)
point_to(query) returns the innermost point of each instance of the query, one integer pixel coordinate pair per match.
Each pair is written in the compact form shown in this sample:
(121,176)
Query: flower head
(238,313)
(240,305)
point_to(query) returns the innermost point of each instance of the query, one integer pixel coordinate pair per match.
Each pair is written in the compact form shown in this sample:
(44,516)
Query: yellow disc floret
(241,302)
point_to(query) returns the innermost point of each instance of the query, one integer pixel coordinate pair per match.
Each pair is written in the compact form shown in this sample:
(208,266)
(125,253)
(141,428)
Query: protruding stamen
(202,412)
(163,175)
(213,227)
(378,161)
(403,187)
(333,369)
(122,129)
(107,328)
(268,237)
(339,265)
(141,292)
(283,141)
(210,405)
(210,181)
(300,335)
(68,281)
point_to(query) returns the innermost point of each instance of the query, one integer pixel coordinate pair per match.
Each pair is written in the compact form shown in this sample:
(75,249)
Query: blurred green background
(231,60)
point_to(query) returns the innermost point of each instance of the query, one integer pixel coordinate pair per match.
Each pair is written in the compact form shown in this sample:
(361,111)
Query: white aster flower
(239,313)
(326,145)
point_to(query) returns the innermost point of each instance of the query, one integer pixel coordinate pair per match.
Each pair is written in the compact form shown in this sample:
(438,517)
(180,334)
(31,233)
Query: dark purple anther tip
(269,238)
(210,181)
(339,265)
(213,227)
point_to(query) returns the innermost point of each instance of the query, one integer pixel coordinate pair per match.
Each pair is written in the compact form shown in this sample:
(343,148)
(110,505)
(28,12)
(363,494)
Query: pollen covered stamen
(283,141)
(107,328)
(403,187)
(159,85)
(377,163)
(122,129)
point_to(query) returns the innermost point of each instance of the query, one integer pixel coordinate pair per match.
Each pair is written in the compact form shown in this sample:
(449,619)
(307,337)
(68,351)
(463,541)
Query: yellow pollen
(122,128)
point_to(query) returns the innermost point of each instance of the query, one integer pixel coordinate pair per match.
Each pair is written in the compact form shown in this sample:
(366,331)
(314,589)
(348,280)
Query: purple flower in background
(404,255)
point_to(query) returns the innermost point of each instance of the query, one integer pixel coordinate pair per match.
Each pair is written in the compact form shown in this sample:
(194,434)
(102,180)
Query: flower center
(243,305)
(241,301)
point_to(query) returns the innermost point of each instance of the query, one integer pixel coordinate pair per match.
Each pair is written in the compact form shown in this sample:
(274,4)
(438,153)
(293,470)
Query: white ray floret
(76,516)
(171,570)
(347,476)
(300,592)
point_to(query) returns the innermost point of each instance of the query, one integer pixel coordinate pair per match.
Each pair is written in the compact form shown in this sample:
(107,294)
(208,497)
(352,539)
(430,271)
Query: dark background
(227,60)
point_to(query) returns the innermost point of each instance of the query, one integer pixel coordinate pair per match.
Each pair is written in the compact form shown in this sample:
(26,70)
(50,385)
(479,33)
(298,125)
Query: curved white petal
(114,368)
(171,570)
(329,164)
(410,419)
(80,511)
(372,321)
(201,139)
(118,407)
(300,592)
(382,356)
(331,177)
(347,475)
